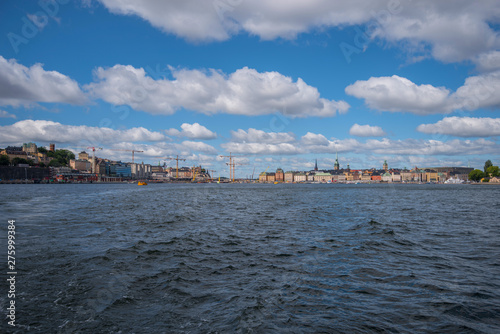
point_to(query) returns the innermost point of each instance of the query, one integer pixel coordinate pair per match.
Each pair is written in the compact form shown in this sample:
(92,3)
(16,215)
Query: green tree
(4,160)
(487,164)
(41,164)
(493,171)
(17,161)
(54,163)
(62,156)
(476,175)
(42,149)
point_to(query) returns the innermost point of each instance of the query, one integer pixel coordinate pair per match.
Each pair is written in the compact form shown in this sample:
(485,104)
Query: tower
(336,165)
(52,147)
(386,167)
(316,165)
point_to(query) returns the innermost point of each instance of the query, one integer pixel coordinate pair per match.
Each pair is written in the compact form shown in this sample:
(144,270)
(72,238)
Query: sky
(274,83)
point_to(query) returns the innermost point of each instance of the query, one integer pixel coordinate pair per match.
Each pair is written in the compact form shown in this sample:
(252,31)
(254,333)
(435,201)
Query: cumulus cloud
(397,94)
(198,146)
(312,143)
(244,92)
(463,127)
(400,94)
(192,131)
(479,91)
(452,30)
(259,136)
(48,131)
(261,148)
(4,114)
(314,139)
(366,131)
(488,61)
(21,85)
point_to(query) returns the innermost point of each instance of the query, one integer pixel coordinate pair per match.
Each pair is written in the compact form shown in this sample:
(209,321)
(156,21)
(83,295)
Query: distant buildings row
(84,169)
(435,174)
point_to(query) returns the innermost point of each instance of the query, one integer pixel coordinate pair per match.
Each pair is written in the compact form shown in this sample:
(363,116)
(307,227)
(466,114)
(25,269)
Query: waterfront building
(140,171)
(30,148)
(280,175)
(365,177)
(459,170)
(495,179)
(300,177)
(83,156)
(263,177)
(387,177)
(14,152)
(406,176)
(322,177)
(156,169)
(270,177)
(184,173)
(396,177)
(376,176)
(123,170)
(80,165)
(289,176)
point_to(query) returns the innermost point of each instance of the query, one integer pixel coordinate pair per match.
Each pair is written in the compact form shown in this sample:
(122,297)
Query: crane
(234,164)
(133,151)
(231,157)
(209,171)
(177,163)
(93,157)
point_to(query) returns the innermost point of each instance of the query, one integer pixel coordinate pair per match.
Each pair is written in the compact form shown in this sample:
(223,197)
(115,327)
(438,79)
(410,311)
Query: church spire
(316,165)
(336,166)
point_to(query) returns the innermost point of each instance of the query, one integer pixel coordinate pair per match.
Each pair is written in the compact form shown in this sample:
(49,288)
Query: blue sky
(277,83)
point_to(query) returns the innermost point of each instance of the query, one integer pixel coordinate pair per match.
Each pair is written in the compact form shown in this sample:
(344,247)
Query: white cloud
(198,147)
(48,131)
(400,94)
(4,114)
(314,139)
(192,131)
(244,92)
(452,30)
(261,148)
(479,91)
(463,127)
(259,136)
(20,85)
(318,144)
(488,61)
(158,151)
(366,131)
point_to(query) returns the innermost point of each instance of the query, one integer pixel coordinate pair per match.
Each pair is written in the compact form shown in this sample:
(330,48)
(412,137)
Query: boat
(454,181)
(142,183)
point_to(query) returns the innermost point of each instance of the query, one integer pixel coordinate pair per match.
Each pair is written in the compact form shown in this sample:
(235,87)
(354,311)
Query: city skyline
(282,88)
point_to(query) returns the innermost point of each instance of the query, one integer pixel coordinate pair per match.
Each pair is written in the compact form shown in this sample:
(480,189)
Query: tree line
(485,174)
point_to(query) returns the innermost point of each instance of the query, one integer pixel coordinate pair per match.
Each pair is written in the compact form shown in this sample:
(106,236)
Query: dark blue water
(254,258)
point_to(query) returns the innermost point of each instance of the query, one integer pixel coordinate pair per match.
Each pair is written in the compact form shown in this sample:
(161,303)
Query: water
(230,258)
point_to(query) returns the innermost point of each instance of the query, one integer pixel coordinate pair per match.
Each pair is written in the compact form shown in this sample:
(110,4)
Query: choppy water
(254,258)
